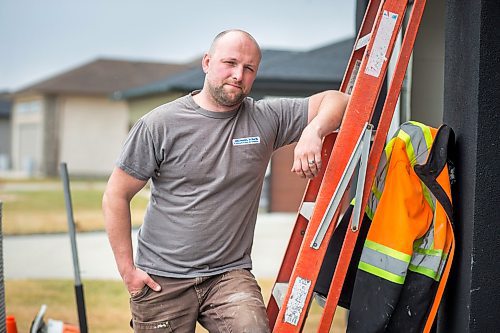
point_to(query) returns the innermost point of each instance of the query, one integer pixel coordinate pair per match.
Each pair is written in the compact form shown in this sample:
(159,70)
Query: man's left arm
(325,112)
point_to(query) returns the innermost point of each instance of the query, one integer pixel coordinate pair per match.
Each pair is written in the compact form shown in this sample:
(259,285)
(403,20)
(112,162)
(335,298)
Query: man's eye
(250,69)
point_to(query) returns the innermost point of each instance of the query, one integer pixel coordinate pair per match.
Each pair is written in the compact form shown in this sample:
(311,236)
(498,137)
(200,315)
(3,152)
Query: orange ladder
(325,195)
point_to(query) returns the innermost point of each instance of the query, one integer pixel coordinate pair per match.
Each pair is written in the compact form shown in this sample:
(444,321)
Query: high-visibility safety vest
(408,250)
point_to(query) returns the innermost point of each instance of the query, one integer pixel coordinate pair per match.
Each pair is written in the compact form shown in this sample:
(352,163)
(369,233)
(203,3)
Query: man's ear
(205,62)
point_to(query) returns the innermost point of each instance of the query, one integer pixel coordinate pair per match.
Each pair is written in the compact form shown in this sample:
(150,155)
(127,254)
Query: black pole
(80,301)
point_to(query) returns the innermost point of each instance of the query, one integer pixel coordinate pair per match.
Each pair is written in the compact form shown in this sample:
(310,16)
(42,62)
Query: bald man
(206,155)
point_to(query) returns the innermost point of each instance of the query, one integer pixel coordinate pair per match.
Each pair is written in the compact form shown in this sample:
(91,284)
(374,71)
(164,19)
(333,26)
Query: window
(30,107)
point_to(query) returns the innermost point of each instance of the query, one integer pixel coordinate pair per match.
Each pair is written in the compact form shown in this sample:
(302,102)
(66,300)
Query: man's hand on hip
(136,279)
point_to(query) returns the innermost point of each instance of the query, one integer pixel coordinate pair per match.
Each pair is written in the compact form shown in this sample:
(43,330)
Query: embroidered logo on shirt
(246,141)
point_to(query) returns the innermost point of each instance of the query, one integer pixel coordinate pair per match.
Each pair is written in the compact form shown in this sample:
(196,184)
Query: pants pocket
(152,326)
(138,295)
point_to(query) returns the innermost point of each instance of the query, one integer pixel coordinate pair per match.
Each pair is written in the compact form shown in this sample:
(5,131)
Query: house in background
(70,117)
(5,114)
(281,73)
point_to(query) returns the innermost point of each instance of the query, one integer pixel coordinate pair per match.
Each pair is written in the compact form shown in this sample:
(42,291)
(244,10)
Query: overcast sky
(39,39)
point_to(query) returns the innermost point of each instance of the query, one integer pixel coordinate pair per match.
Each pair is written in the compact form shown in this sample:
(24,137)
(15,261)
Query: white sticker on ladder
(297,300)
(381,44)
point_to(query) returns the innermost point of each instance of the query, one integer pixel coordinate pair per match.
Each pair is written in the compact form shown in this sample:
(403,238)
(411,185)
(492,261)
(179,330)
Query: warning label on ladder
(297,300)
(381,43)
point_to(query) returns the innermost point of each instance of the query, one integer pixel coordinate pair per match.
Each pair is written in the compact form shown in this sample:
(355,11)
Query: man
(206,155)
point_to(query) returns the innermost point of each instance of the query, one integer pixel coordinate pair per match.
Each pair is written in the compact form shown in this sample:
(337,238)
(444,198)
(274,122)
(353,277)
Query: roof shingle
(105,76)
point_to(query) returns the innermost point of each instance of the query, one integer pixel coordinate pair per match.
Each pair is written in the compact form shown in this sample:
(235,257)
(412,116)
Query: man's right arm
(120,190)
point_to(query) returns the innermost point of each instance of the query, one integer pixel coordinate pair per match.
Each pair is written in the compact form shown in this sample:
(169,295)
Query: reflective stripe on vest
(384,262)
(426,264)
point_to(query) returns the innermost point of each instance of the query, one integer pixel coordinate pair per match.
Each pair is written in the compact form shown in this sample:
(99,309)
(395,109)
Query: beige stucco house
(72,118)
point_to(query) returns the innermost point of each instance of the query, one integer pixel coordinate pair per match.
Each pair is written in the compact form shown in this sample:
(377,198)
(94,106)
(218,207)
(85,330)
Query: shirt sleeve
(139,157)
(288,116)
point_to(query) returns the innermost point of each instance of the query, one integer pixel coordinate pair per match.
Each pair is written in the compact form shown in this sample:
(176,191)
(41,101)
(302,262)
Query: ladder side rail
(313,185)
(374,158)
(359,111)
(365,29)
(297,234)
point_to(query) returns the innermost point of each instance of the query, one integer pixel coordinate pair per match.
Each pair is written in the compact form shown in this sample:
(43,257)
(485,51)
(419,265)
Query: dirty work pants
(229,302)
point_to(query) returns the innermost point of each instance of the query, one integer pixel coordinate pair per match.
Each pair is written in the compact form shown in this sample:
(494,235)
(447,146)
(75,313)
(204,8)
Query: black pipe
(80,301)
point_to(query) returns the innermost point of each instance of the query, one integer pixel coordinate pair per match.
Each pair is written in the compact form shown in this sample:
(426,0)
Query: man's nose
(238,73)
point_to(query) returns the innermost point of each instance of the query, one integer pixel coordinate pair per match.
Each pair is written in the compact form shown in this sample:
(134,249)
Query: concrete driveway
(49,256)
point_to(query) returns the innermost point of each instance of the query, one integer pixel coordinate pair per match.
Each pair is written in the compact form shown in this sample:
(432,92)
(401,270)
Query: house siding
(50,159)
(138,107)
(92,132)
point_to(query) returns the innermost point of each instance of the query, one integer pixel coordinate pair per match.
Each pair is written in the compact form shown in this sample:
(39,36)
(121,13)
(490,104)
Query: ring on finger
(311,161)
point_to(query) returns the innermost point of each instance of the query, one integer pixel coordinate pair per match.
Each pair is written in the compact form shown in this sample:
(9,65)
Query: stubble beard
(223,98)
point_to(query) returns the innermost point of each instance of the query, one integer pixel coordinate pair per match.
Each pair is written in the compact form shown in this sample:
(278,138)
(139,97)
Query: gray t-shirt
(206,170)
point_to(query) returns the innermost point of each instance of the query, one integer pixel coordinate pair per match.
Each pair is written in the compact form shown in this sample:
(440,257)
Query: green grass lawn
(106,303)
(40,208)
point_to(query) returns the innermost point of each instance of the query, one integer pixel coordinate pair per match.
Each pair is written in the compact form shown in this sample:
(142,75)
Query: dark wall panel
(472,108)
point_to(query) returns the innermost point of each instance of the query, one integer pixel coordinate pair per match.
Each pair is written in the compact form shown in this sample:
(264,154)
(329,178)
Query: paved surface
(49,256)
